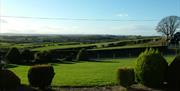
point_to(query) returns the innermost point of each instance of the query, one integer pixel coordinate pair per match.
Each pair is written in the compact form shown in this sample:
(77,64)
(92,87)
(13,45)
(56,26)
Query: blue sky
(125,10)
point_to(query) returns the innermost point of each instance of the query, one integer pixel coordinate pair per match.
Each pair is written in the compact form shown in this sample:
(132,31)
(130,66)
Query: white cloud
(3,21)
(122,15)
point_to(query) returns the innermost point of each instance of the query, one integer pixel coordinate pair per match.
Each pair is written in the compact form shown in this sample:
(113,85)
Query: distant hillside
(28,38)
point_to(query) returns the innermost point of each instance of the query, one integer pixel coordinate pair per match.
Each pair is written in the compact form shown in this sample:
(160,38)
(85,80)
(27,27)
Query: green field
(103,45)
(98,73)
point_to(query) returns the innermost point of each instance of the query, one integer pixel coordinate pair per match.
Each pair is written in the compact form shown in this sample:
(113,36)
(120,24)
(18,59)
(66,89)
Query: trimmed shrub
(81,55)
(151,68)
(41,75)
(9,80)
(27,56)
(13,56)
(126,76)
(173,77)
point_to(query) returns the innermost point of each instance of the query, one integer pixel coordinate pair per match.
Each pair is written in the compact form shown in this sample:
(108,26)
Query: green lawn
(84,73)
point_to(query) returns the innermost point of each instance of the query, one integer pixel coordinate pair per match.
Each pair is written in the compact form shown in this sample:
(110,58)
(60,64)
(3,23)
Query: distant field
(84,73)
(125,47)
(103,45)
(46,48)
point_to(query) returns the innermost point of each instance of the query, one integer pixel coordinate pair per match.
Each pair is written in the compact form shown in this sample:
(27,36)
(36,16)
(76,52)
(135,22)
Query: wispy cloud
(3,21)
(123,15)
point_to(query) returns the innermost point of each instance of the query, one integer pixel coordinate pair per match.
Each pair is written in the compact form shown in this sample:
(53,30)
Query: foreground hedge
(173,77)
(9,80)
(151,68)
(41,75)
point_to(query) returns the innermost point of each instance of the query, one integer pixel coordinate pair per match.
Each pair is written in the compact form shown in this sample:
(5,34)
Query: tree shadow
(48,89)
(11,66)
(103,61)
(74,62)
(67,62)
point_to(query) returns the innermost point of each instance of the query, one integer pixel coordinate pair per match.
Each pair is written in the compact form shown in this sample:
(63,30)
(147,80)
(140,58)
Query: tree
(168,26)
(13,56)
(43,57)
(27,56)
(176,38)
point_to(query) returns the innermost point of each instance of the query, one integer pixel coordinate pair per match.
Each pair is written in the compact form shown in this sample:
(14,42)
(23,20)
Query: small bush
(13,56)
(150,68)
(8,80)
(173,77)
(126,76)
(41,75)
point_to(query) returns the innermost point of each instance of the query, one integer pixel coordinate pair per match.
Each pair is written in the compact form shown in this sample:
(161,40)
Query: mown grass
(101,73)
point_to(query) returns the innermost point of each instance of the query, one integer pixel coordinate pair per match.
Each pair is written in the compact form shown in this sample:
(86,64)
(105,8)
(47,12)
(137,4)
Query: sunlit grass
(84,73)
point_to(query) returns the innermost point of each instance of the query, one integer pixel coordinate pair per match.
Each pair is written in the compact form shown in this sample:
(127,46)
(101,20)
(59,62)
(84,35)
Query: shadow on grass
(70,62)
(74,62)
(103,61)
(67,62)
(11,66)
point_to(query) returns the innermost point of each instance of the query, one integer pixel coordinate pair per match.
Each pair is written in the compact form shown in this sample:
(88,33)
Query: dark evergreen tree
(43,57)
(27,56)
(13,56)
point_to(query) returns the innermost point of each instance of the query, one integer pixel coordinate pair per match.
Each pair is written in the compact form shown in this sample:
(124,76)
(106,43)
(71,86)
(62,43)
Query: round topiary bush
(8,80)
(173,77)
(126,76)
(151,68)
(41,75)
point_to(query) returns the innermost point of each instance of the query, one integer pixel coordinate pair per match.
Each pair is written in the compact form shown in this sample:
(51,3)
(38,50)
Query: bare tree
(168,26)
